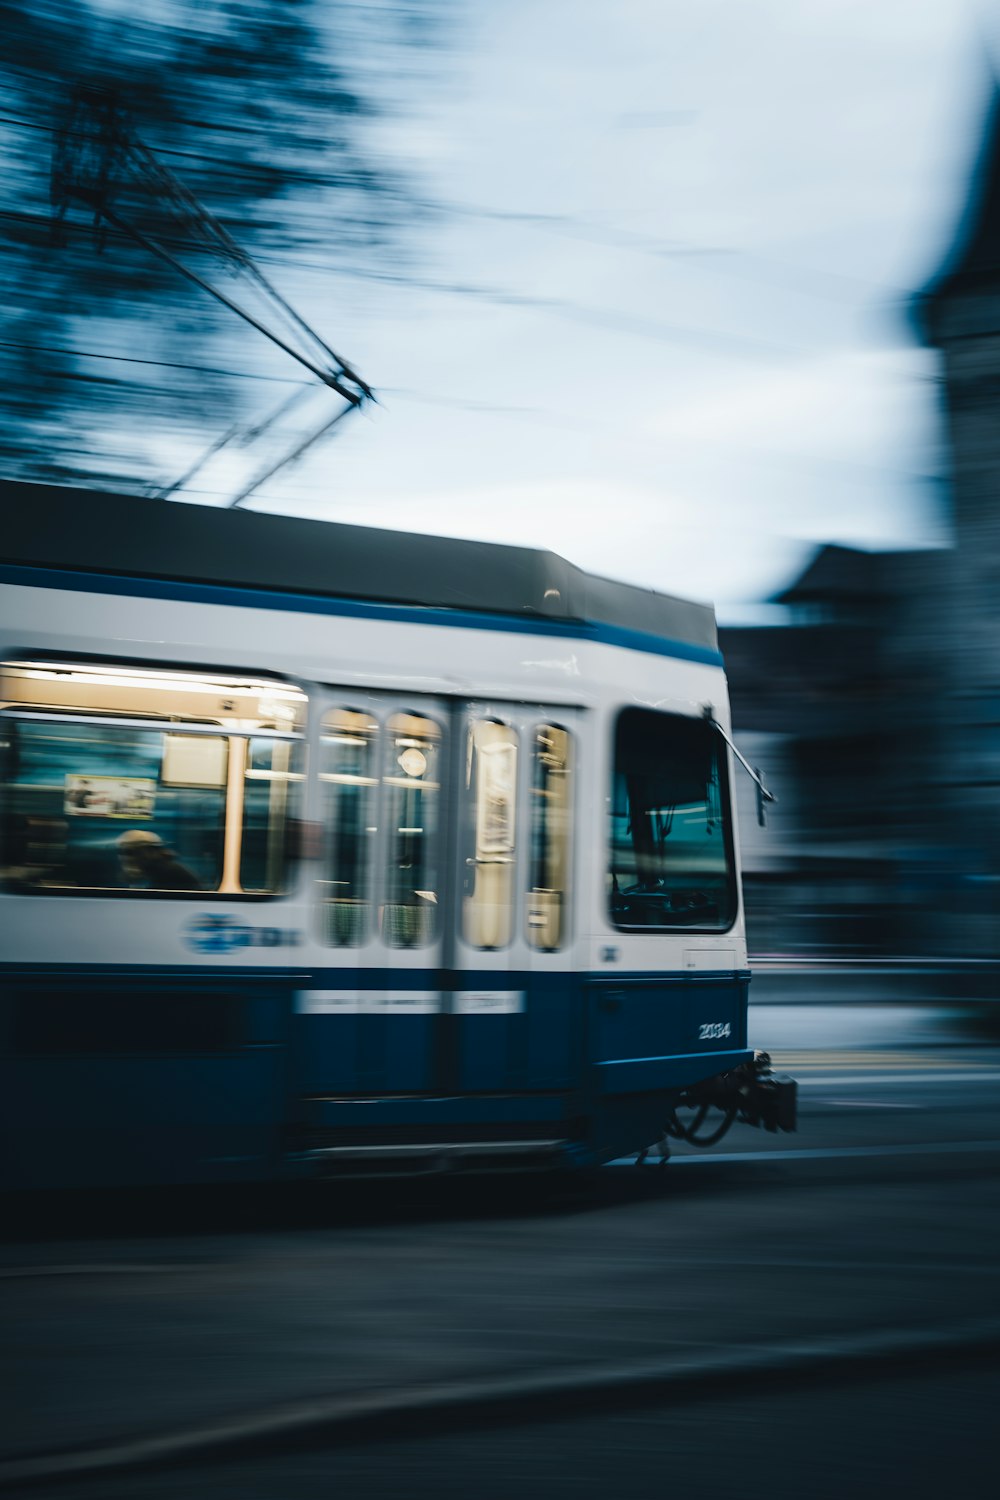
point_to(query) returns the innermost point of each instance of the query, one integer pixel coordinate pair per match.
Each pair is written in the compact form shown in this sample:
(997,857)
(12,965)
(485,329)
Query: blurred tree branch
(263,109)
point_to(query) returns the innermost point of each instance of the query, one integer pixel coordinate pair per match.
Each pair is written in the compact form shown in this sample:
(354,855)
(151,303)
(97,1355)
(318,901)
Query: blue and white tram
(332,850)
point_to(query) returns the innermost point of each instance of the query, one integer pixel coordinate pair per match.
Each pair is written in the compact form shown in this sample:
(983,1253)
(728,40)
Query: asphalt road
(875,1228)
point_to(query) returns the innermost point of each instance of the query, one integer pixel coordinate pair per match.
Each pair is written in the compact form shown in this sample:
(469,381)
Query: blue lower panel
(124,1122)
(666,1031)
(121,1077)
(359,1054)
(538,1047)
(111,1080)
(639,1075)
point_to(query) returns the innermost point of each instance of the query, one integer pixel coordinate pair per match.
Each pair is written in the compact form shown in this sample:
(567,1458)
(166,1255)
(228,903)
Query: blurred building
(959,314)
(840,709)
(876,710)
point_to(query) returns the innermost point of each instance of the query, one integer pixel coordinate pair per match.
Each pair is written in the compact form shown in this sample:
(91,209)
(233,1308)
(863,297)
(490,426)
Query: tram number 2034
(712,1031)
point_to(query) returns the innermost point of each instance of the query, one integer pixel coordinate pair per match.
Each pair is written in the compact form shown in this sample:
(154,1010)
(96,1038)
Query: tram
(329,850)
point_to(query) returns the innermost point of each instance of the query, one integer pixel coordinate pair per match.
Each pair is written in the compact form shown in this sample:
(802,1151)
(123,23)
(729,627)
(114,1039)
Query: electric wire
(163,364)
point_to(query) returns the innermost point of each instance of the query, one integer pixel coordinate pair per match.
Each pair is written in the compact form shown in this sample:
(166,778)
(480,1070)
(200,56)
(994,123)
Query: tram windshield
(671,849)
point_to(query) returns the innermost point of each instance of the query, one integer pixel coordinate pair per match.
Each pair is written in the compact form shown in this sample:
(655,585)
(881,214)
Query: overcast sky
(664,331)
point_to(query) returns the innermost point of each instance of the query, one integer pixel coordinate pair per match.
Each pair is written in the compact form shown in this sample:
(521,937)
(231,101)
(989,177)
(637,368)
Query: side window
(349,773)
(118,778)
(551,804)
(671,857)
(111,807)
(411,779)
(491,806)
(272,777)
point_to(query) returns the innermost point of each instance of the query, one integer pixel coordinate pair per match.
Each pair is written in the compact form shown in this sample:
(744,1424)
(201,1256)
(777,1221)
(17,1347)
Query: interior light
(136,677)
(268,708)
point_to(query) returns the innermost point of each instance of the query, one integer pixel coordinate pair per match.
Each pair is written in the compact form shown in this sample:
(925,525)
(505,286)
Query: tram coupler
(752,1093)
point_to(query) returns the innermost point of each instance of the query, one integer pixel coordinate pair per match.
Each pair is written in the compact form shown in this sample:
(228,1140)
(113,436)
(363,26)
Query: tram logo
(221,934)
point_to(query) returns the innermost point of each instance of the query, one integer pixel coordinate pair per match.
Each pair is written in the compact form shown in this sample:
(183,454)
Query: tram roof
(68,528)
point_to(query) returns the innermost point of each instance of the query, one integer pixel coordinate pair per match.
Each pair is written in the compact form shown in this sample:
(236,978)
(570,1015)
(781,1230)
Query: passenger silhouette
(148,862)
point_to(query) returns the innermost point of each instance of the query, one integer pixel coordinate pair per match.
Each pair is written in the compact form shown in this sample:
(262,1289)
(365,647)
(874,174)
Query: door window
(349,773)
(411,779)
(551,805)
(491,820)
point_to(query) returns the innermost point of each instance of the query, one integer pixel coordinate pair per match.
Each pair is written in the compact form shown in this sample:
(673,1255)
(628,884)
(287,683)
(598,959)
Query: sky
(662,326)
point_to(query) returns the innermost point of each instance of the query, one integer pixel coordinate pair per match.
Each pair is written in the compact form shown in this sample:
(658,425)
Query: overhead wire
(246,434)
(135,359)
(151,245)
(192,213)
(229,168)
(217,238)
(94,178)
(724,259)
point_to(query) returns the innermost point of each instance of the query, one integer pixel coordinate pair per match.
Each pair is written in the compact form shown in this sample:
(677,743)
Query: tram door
(444,896)
(511,995)
(383,767)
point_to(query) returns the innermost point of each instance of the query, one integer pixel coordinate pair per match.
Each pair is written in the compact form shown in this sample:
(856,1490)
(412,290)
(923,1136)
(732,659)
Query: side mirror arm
(755,773)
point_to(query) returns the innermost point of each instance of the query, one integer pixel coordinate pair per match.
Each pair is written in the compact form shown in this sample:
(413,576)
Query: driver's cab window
(671,851)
